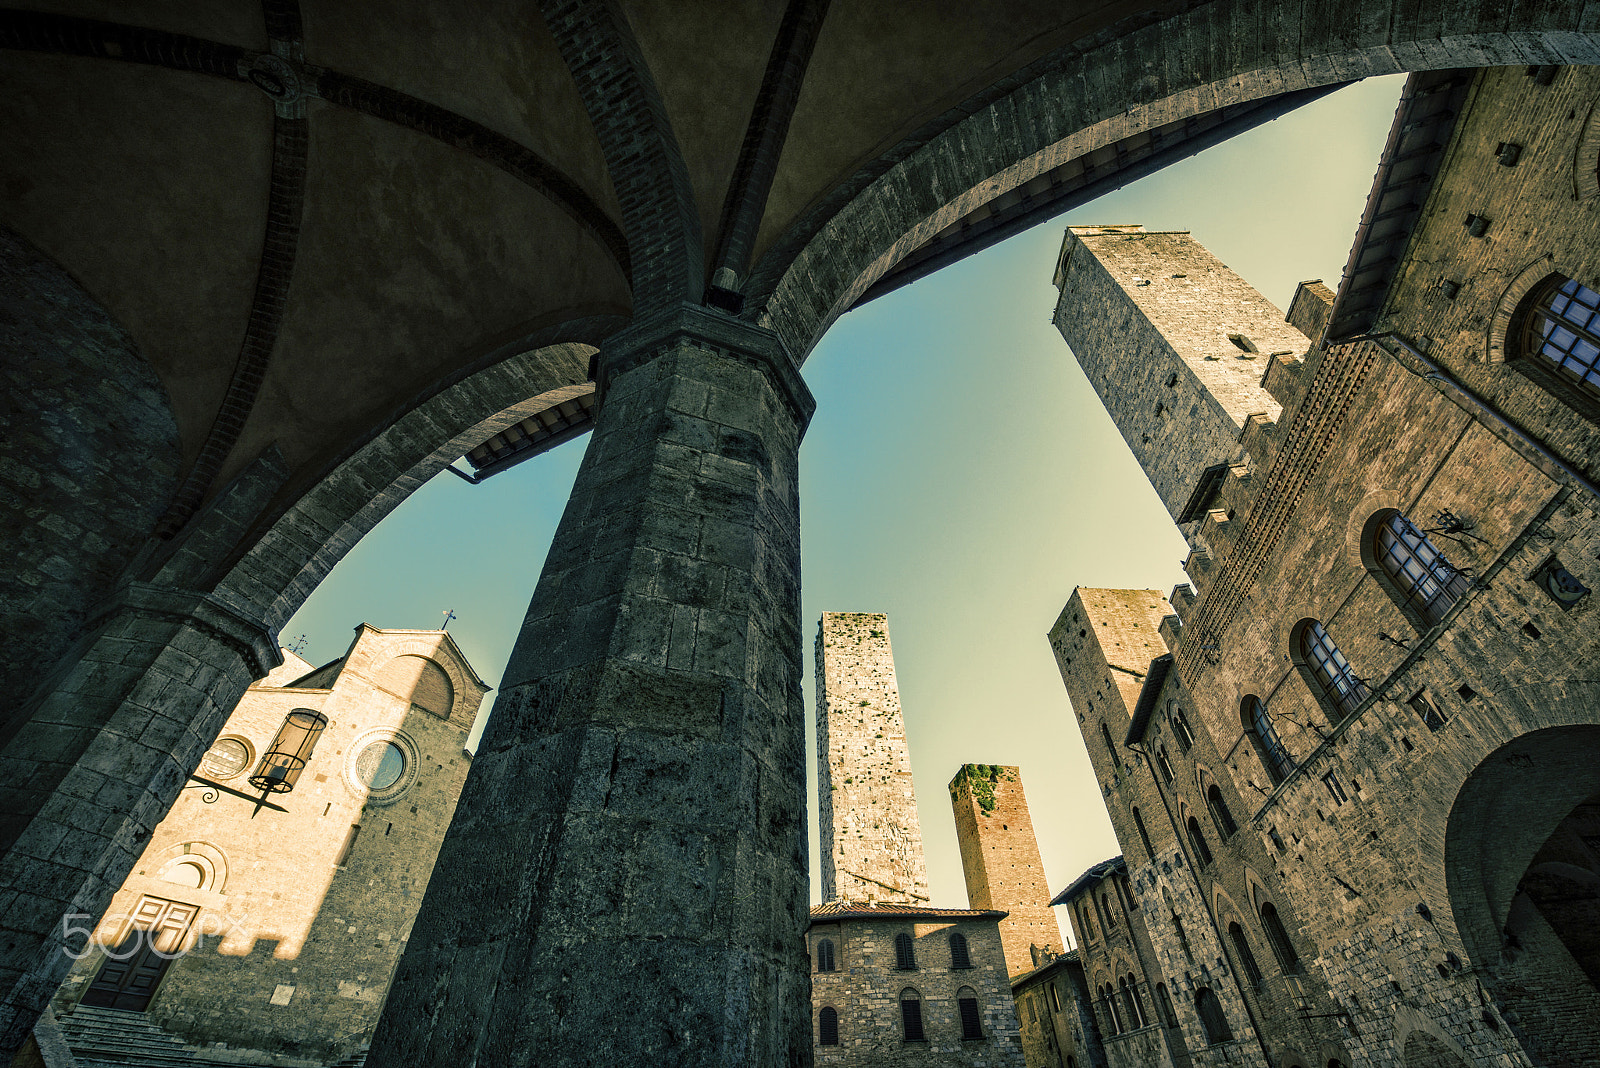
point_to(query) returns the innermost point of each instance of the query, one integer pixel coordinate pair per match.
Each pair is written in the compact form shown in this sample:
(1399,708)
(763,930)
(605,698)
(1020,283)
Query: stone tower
(1000,859)
(871,839)
(1176,345)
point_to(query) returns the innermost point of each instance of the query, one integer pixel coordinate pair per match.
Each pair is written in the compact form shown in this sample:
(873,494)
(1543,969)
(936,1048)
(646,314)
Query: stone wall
(867,987)
(867,809)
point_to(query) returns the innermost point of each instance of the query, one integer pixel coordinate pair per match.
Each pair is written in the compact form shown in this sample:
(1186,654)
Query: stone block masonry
(1000,859)
(871,839)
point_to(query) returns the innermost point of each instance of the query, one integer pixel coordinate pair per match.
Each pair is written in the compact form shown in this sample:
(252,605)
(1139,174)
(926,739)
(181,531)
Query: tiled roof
(1099,871)
(870,910)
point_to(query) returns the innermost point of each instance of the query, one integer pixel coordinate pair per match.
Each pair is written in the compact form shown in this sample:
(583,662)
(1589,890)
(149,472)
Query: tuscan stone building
(894,979)
(274,928)
(1354,774)
(1059,1029)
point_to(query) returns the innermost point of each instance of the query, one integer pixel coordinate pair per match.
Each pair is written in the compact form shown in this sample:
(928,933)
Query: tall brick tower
(871,839)
(1176,345)
(1000,858)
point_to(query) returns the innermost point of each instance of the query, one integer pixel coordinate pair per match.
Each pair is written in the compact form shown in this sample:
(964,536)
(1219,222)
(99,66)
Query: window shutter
(828,1021)
(905,957)
(958,952)
(971,1024)
(911,1016)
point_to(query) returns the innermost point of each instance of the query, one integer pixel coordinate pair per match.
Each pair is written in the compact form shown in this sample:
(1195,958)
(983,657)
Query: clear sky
(959,475)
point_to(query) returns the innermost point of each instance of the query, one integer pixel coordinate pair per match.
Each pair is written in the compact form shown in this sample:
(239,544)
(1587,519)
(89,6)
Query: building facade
(1358,797)
(273,928)
(1059,1029)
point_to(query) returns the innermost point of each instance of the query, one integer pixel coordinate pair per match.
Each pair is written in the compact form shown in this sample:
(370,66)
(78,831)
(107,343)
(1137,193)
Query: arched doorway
(1522,856)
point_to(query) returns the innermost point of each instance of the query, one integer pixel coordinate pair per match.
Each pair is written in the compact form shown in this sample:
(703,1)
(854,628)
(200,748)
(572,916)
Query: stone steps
(103,1038)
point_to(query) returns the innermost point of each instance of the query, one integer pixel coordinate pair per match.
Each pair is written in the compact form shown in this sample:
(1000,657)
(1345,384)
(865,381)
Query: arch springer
(659,332)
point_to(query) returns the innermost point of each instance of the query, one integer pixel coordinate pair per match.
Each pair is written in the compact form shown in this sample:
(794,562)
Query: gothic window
(1108,994)
(1108,912)
(1278,939)
(905,956)
(1180,728)
(1084,921)
(1055,997)
(959,958)
(1561,332)
(825,961)
(1212,1019)
(1424,582)
(1247,959)
(1144,835)
(1168,1015)
(971,1018)
(1133,1002)
(1164,764)
(828,1024)
(1197,839)
(1219,813)
(911,1015)
(1332,678)
(1258,724)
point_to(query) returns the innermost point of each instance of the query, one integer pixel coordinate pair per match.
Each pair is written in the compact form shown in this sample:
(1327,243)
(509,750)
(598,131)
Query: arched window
(1424,581)
(1083,918)
(1164,764)
(1108,994)
(1168,1014)
(1180,728)
(971,1018)
(911,1016)
(1331,675)
(1144,835)
(959,958)
(1212,1019)
(825,956)
(905,956)
(1055,997)
(1274,757)
(1278,939)
(1202,852)
(828,1025)
(1219,813)
(1133,1002)
(1247,959)
(1109,912)
(1561,332)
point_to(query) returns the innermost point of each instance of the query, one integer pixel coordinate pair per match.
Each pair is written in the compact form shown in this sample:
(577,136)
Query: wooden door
(154,937)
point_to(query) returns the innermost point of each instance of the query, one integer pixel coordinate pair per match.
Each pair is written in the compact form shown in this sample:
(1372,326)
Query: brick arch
(286,561)
(1086,98)
(460,682)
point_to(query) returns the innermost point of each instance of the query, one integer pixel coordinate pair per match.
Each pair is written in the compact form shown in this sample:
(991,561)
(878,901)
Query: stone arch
(89,438)
(1537,949)
(1422,1043)
(299,545)
(1086,98)
(205,859)
(1586,158)
(1507,308)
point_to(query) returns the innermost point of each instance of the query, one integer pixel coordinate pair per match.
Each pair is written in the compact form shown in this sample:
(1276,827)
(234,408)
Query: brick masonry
(867,807)
(1000,859)
(300,926)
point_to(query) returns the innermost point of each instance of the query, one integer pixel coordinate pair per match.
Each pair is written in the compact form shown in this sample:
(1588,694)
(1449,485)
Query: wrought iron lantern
(281,765)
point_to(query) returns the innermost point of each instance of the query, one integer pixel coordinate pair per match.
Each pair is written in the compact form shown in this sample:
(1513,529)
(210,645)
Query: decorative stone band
(204,612)
(656,333)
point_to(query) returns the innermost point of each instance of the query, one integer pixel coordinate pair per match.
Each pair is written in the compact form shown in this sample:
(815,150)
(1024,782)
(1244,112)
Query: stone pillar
(96,764)
(625,878)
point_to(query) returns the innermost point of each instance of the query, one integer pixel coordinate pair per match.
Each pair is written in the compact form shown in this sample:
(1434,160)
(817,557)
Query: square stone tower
(871,839)
(1176,345)
(1000,859)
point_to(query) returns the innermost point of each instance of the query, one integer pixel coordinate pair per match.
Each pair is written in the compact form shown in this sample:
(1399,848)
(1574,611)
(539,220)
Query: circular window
(380,766)
(227,758)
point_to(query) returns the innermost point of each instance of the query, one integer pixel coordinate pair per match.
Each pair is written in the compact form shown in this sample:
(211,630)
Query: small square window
(1335,789)
(1423,706)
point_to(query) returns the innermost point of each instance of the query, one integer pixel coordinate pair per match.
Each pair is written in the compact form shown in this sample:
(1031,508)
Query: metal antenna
(299,644)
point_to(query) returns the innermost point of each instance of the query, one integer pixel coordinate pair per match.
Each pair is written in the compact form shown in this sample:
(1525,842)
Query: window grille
(911,1017)
(971,1021)
(1564,328)
(1426,580)
(1278,939)
(1202,852)
(905,957)
(1219,813)
(1247,959)
(1332,672)
(825,961)
(1212,1019)
(959,958)
(828,1024)
(1274,757)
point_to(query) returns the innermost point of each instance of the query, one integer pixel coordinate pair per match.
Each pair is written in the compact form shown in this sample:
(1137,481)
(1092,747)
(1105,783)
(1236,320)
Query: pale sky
(959,475)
